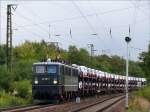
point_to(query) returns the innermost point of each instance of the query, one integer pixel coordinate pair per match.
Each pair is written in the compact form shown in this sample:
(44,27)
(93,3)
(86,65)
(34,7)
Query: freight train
(57,81)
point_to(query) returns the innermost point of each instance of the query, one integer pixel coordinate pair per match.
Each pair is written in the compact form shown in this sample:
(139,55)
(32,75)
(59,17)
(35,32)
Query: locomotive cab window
(52,69)
(40,69)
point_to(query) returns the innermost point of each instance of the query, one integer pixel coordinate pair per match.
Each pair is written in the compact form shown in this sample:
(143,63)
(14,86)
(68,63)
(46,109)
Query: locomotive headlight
(36,81)
(55,81)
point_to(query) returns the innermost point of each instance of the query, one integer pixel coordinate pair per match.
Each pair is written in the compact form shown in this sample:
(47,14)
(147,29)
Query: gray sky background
(32,20)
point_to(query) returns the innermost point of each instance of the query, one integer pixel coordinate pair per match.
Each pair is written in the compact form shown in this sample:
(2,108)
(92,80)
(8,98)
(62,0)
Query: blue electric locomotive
(54,81)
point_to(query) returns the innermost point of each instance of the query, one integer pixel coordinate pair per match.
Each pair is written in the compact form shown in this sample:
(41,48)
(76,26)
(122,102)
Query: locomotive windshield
(52,69)
(46,69)
(40,69)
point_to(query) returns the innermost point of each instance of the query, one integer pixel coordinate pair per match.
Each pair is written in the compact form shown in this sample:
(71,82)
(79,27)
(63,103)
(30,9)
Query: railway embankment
(140,100)
(139,104)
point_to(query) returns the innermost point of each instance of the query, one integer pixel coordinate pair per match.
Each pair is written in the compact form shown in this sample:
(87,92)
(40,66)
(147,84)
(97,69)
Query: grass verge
(140,100)
(7,100)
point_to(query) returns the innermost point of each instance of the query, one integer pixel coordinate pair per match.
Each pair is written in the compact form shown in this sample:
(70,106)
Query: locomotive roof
(86,69)
(53,63)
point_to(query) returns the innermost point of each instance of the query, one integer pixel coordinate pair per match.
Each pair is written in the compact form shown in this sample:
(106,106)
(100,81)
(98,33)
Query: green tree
(6,78)
(145,64)
(83,57)
(103,63)
(135,69)
(118,65)
(25,51)
(23,69)
(2,54)
(22,88)
(73,54)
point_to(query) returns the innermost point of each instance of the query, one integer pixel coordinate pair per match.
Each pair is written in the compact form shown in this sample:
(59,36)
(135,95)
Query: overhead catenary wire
(30,20)
(98,18)
(37,33)
(35,14)
(84,17)
(32,12)
(26,18)
(31,32)
(79,17)
(109,32)
(42,20)
(72,18)
(102,23)
(137,6)
(136,48)
(135,14)
(87,21)
(18,26)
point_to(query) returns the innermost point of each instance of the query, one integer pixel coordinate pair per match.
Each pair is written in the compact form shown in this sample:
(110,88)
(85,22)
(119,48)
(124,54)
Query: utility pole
(149,23)
(92,50)
(9,36)
(127,39)
(0,23)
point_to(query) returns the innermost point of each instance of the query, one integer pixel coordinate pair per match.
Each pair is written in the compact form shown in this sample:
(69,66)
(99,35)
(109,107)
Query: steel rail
(100,102)
(24,108)
(110,105)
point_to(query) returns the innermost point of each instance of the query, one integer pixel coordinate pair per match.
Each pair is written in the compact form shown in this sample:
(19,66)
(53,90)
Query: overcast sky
(35,20)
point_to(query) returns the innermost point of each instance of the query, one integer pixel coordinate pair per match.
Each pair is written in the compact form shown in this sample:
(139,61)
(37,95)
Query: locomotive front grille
(45,91)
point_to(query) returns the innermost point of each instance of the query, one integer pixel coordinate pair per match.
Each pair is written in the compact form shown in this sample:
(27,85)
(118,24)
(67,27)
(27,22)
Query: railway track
(100,106)
(24,108)
(97,106)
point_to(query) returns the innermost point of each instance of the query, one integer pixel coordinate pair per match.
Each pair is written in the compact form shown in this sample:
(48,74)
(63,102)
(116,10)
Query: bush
(6,78)
(6,100)
(22,88)
(139,100)
(23,70)
(144,92)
